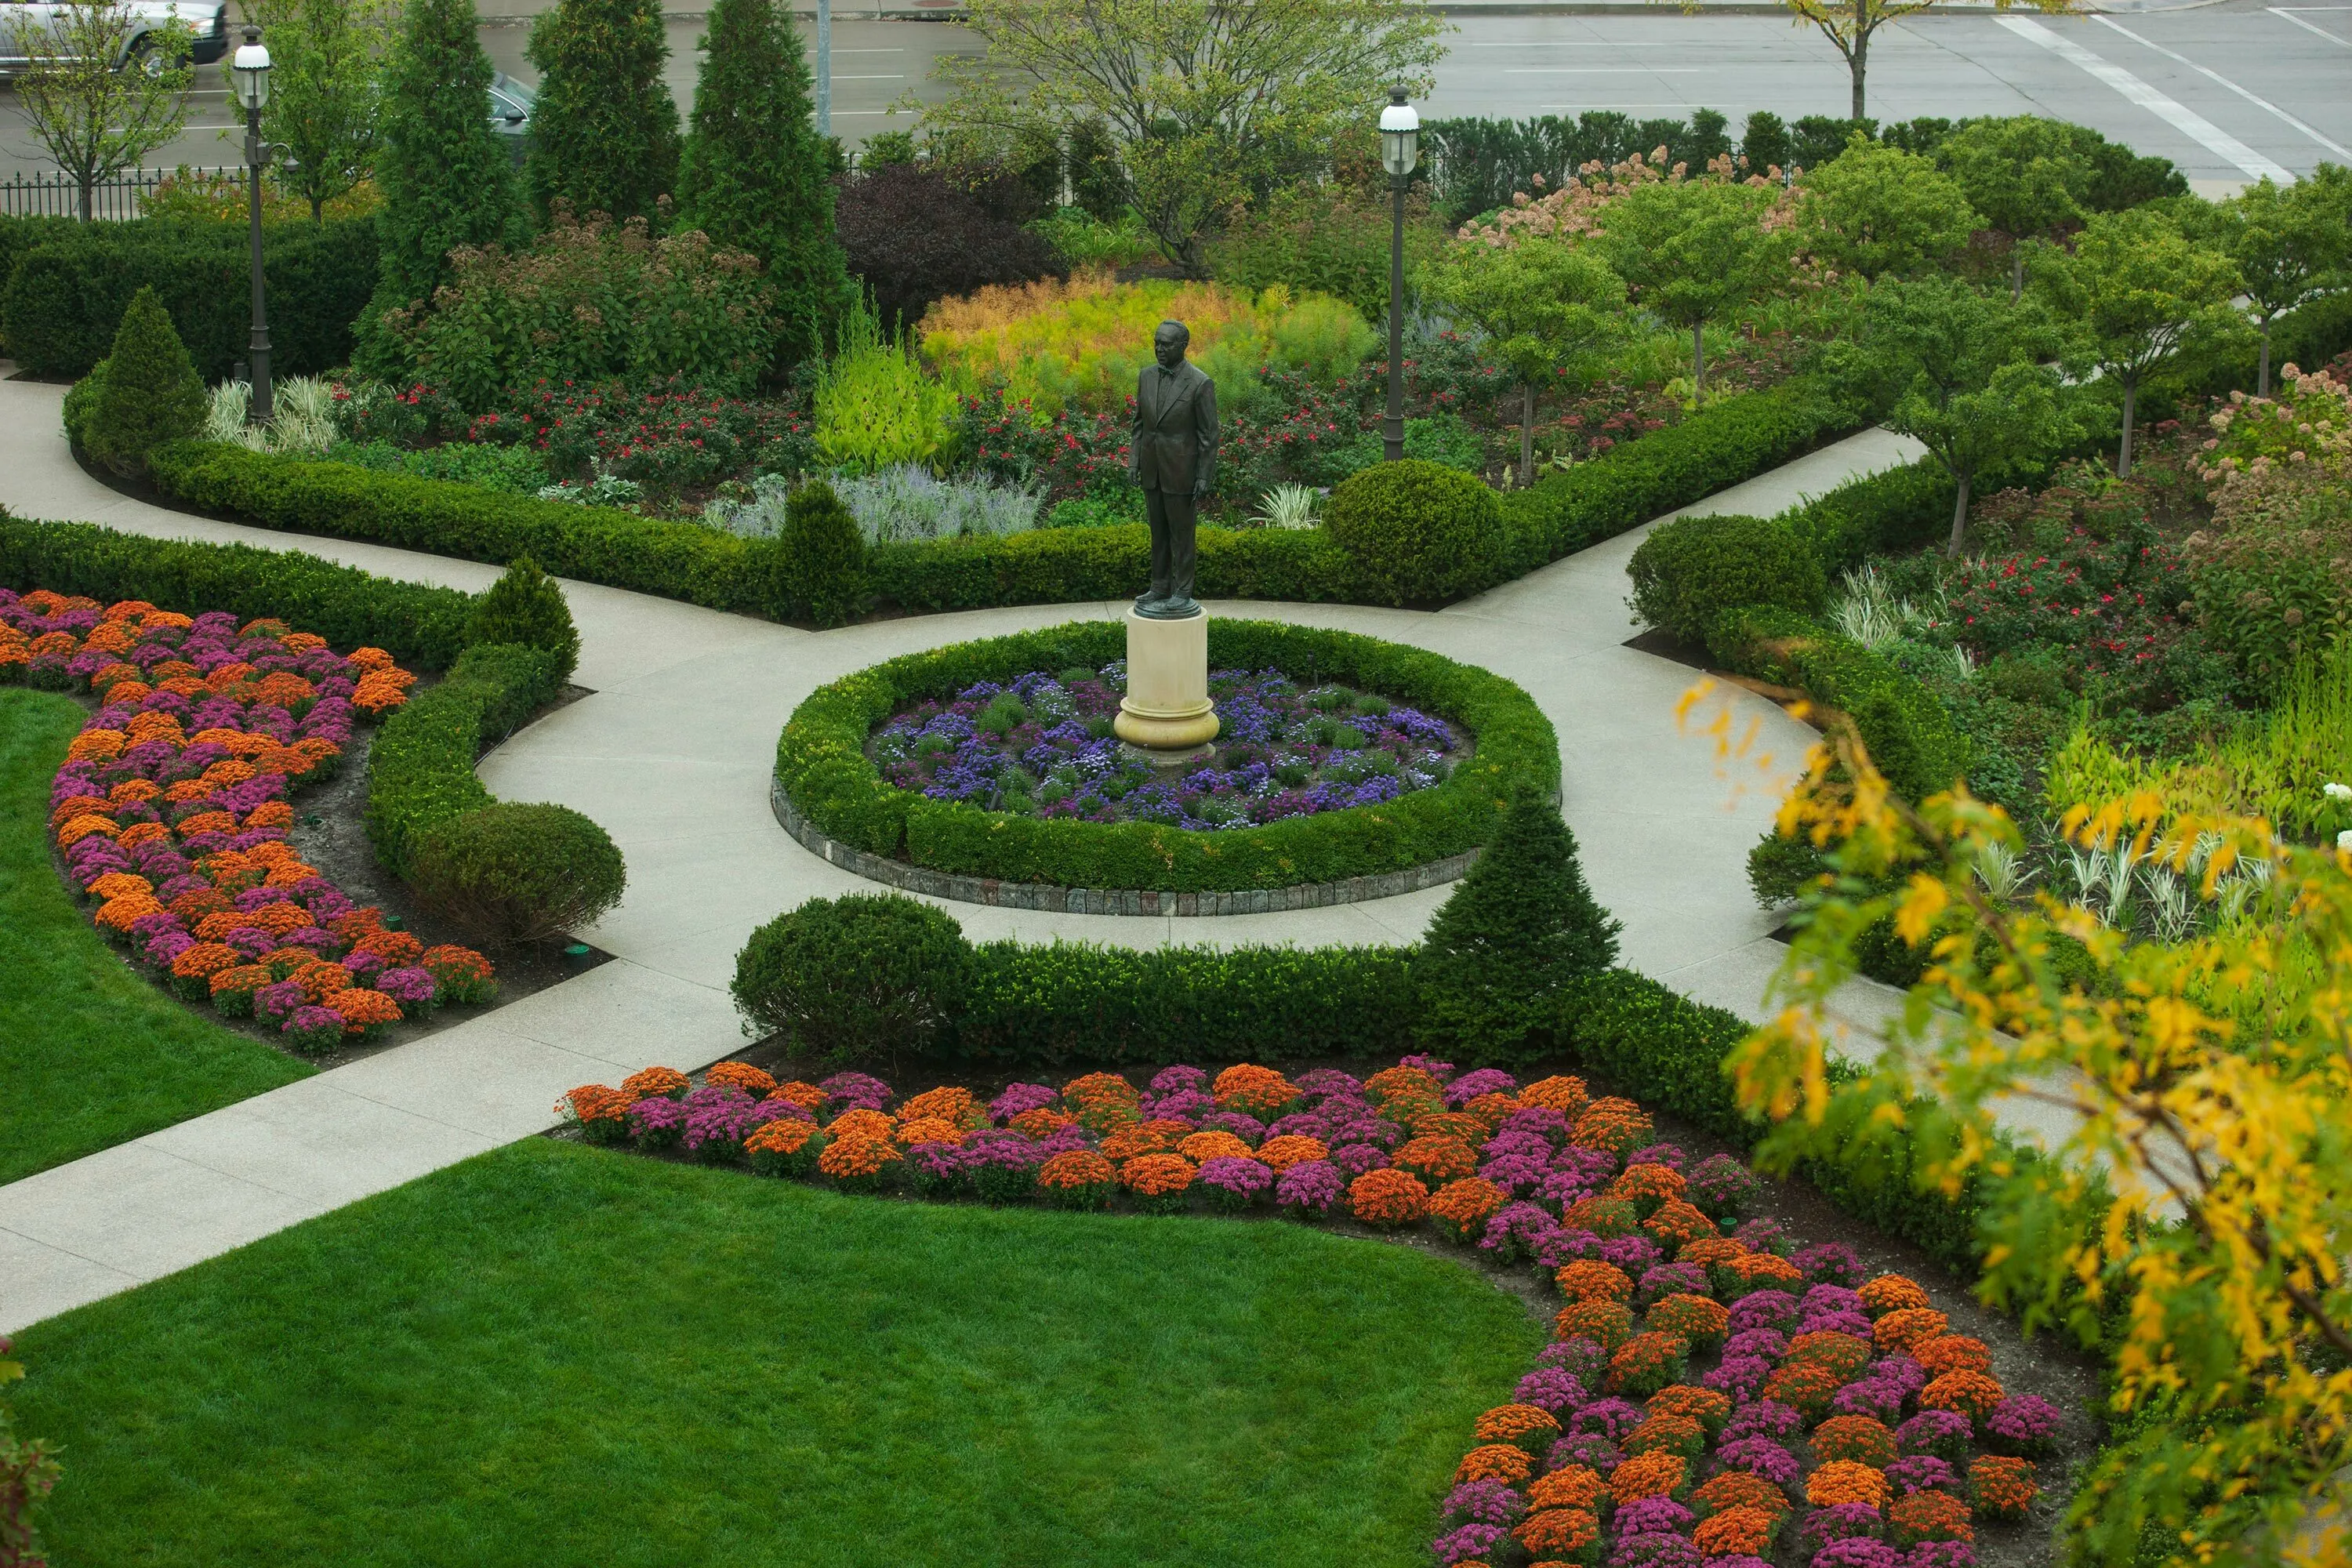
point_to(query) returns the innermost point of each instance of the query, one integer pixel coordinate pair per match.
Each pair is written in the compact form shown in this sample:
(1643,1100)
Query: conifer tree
(151,393)
(604,135)
(821,555)
(753,173)
(1520,930)
(527,606)
(445,180)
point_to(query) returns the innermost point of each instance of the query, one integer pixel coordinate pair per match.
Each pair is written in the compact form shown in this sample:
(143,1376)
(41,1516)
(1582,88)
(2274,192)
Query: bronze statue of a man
(1173,456)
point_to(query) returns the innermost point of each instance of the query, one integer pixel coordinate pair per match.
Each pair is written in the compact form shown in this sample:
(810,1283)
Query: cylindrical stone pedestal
(1166,714)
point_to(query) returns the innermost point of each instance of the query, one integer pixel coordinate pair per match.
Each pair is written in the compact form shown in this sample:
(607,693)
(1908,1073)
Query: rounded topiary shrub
(1417,532)
(1692,569)
(864,975)
(525,606)
(506,874)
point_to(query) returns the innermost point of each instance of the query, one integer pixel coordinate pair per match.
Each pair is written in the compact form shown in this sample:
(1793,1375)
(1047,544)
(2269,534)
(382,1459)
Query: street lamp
(1400,150)
(249,70)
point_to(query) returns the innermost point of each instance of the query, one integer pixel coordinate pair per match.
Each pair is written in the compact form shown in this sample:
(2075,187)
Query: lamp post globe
(248,73)
(1400,152)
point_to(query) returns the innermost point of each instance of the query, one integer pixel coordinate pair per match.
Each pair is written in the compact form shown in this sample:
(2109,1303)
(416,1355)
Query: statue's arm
(1204,473)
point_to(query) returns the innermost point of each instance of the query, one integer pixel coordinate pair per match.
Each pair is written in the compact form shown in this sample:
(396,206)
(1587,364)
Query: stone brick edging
(1108,900)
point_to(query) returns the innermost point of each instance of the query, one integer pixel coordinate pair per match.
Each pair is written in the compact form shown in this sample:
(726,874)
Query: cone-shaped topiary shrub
(525,606)
(151,393)
(504,874)
(867,974)
(822,558)
(1520,930)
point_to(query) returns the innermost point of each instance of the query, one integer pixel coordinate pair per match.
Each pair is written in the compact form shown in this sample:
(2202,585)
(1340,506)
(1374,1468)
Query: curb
(951,10)
(1143,902)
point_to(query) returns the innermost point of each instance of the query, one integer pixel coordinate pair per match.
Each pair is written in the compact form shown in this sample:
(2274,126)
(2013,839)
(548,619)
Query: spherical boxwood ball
(506,873)
(1692,569)
(1418,532)
(862,974)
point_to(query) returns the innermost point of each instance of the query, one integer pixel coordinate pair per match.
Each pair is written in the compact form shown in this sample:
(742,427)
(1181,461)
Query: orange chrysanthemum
(653,1081)
(1151,1137)
(1707,1406)
(1737,1489)
(1075,1168)
(1565,1095)
(206,960)
(1647,1185)
(1698,1319)
(1844,1481)
(1929,1516)
(121,885)
(1677,1224)
(1458,1124)
(785,1136)
(1952,1352)
(1387,1198)
(1908,1326)
(1620,1126)
(1291,1149)
(1738,1531)
(2002,1487)
(857,1157)
(751,1081)
(1201,1147)
(1040,1122)
(1841,1355)
(863,1123)
(1253,1090)
(1971,1393)
(320,980)
(1505,1462)
(927,1130)
(1555,1534)
(1862,1438)
(1529,1425)
(1589,1280)
(1667,1433)
(1608,1324)
(1157,1176)
(1463,1207)
(1570,1486)
(1757,1271)
(1651,1475)
(807,1096)
(1101,1088)
(363,1009)
(1892,1293)
(947,1103)
(1436,1159)
(594,1103)
(238,979)
(1410,1084)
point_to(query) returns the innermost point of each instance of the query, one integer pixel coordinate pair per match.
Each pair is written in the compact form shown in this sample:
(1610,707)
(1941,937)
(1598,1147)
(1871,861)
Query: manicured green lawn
(91,1052)
(556,1355)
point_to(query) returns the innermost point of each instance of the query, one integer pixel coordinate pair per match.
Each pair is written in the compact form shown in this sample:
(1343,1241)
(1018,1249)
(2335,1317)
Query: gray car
(149,21)
(511,107)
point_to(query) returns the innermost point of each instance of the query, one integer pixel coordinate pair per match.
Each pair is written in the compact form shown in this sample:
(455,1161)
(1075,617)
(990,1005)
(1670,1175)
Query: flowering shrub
(172,810)
(1929,1516)
(2001,1487)
(1387,1198)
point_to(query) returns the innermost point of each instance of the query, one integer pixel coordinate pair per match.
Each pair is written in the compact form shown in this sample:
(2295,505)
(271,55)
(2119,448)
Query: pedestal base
(1166,711)
(1183,760)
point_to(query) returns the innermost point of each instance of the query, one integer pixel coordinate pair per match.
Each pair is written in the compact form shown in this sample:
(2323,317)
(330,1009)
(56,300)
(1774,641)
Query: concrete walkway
(673,755)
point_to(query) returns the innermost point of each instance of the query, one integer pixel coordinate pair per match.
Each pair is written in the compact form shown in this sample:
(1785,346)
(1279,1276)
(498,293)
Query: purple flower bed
(1043,746)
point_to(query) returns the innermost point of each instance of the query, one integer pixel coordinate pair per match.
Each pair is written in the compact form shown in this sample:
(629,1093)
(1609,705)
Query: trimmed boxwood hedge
(423,627)
(1720,445)
(821,762)
(421,768)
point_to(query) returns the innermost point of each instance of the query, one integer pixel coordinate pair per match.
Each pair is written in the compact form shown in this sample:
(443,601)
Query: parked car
(151,23)
(511,107)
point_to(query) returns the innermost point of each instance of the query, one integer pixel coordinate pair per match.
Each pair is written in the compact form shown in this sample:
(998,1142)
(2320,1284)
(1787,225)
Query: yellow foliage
(1081,344)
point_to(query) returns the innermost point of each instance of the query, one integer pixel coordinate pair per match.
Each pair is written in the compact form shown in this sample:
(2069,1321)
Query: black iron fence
(51,194)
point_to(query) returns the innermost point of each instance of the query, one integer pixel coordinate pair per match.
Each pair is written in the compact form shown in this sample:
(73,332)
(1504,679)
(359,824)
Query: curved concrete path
(673,755)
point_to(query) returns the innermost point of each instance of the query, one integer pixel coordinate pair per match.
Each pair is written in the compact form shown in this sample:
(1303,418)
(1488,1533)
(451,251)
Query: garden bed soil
(329,832)
(2049,1365)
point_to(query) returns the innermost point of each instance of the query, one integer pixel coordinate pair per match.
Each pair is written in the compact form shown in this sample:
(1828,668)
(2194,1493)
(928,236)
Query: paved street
(2229,91)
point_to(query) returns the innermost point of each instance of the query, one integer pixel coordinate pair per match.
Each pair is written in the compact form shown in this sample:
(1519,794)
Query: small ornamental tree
(1550,311)
(1503,952)
(2192,1197)
(752,172)
(151,392)
(822,555)
(525,606)
(446,181)
(95,103)
(326,91)
(1693,251)
(2026,175)
(604,136)
(2291,247)
(2143,295)
(1972,388)
(1877,210)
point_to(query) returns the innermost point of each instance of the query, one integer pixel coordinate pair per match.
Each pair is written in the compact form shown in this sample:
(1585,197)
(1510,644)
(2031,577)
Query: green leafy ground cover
(556,1355)
(91,1053)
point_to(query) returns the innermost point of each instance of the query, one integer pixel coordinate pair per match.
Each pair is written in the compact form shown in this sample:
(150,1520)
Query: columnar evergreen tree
(1520,929)
(604,135)
(525,606)
(445,180)
(753,173)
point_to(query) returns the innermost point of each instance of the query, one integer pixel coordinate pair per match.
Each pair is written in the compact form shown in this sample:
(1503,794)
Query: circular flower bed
(1040,745)
(1632,1441)
(891,761)
(172,809)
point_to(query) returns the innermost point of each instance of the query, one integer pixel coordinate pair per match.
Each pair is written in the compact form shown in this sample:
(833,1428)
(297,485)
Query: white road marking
(1614,71)
(2178,115)
(2216,76)
(2286,15)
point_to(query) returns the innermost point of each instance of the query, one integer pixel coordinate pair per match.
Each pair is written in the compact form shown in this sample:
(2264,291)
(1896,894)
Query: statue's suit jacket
(1174,448)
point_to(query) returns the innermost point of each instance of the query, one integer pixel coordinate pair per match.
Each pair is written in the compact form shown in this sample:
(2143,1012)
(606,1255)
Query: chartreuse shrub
(1417,532)
(1521,928)
(150,393)
(1691,570)
(526,608)
(509,873)
(822,764)
(866,973)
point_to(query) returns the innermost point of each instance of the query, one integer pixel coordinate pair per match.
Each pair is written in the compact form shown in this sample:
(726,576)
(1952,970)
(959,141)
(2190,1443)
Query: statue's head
(1168,342)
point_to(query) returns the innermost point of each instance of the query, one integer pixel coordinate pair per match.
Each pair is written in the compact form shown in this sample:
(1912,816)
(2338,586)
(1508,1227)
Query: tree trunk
(1526,432)
(2016,270)
(317,210)
(2262,379)
(1698,359)
(2123,454)
(1959,519)
(1859,61)
(86,182)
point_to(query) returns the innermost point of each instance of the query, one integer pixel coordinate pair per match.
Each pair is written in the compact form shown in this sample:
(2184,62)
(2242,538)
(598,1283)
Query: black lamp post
(1400,150)
(249,70)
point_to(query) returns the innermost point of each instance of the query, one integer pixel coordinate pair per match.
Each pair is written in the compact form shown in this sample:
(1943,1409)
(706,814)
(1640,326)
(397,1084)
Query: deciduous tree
(2143,294)
(1549,308)
(1849,25)
(752,172)
(2026,175)
(1693,251)
(326,91)
(1206,103)
(2291,247)
(95,105)
(604,136)
(1876,210)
